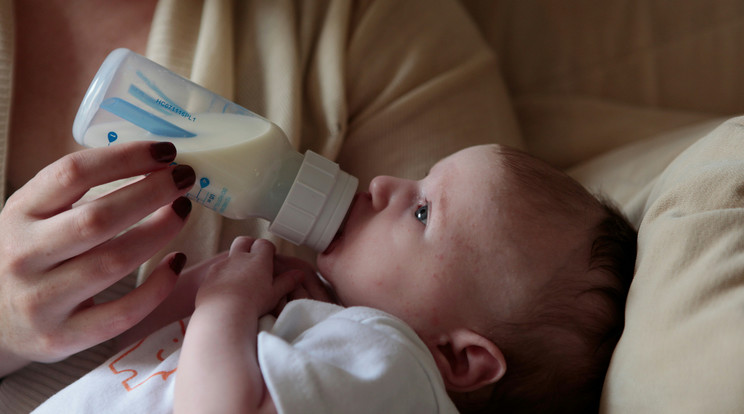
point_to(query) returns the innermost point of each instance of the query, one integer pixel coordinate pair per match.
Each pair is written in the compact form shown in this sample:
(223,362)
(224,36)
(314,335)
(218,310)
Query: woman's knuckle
(26,303)
(52,344)
(89,221)
(218,267)
(68,170)
(18,252)
(112,263)
(29,308)
(16,258)
(125,318)
(15,204)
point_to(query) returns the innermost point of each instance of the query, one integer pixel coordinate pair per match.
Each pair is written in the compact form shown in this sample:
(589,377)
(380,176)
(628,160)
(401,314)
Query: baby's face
(426,250)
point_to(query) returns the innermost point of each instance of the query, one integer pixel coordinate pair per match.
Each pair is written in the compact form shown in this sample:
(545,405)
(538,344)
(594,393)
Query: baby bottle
(244,164)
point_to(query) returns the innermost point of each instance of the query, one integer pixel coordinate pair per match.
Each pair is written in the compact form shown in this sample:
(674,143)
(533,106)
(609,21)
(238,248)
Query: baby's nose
(381,188)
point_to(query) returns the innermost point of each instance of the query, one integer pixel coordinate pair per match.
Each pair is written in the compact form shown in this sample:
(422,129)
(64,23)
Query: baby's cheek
(323,264)
(365,289)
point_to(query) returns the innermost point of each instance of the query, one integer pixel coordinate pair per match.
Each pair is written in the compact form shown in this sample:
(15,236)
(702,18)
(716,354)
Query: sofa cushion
(566,130)
(627,174)
(682,348)
(683,55)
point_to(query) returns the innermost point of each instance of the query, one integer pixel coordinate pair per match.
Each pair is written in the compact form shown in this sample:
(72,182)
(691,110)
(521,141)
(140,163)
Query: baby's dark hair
(558,351)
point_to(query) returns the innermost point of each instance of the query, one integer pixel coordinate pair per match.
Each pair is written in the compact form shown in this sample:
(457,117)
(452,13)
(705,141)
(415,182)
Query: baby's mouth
(339,233)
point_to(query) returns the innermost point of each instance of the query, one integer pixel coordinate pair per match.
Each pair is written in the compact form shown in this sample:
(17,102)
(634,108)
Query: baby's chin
(330,258)
(324,264)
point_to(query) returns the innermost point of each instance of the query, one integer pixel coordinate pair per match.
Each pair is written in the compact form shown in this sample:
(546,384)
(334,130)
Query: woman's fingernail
(182,207)
(183,176)
(177,263)
(163,151)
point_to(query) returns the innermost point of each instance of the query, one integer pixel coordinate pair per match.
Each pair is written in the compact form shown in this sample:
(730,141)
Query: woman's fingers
(56,256)
(105,321)
(100,267)
(63,182)
(80,229)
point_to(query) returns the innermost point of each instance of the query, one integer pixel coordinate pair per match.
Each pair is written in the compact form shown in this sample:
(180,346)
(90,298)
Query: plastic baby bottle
(244,164)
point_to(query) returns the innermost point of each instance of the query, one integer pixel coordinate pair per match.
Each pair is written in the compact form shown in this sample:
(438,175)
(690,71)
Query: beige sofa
(628,96)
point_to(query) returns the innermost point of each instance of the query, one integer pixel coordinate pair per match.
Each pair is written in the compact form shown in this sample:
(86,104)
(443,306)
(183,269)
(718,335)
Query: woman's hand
(54,257)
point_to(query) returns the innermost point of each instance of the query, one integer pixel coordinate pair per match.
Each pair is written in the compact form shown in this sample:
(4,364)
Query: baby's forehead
(518,191)
(511,213)
(492,182)
(498,172)
(497,160)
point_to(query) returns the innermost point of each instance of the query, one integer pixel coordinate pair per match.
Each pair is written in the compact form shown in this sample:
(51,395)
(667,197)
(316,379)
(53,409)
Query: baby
(494,283)
(511,274)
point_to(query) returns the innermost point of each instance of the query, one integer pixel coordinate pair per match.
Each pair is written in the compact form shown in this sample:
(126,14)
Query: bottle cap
(316,203)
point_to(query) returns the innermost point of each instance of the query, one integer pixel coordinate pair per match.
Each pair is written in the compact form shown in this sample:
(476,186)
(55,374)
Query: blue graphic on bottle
(161,103)
(203,183)
(206,197)
(147,106)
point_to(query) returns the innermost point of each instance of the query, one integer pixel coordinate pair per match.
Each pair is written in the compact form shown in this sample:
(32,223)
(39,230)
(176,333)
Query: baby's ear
(468,361)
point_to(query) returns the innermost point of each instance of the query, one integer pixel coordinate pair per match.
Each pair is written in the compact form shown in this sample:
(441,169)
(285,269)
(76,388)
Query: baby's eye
(422,213)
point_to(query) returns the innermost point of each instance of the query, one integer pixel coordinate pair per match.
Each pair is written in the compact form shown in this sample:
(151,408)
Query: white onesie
(315,358)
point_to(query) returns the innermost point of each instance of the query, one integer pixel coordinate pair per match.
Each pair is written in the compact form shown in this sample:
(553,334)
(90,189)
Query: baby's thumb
(286,282)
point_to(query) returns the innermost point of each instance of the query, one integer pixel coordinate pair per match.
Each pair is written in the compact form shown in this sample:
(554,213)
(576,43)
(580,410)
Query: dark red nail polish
(182,207)
(183,176)
(163,152)
(177,263)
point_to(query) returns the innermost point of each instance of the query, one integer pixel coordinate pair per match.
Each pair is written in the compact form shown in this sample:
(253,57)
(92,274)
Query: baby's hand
(311,287)
(247,278)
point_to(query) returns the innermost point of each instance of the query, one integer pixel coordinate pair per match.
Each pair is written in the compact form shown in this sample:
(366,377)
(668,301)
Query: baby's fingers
(284,287)
(241,244)
(285,283)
